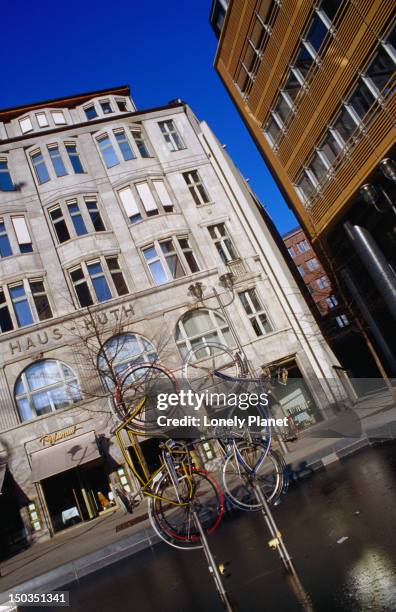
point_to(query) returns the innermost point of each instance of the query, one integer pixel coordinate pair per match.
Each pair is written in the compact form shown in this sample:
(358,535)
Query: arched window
(44,387)
(201,325)
(121,351)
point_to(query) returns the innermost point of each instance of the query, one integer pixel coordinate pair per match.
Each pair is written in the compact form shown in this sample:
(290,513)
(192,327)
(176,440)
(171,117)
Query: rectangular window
(303,62)
(362,99)
(163,195)
(255,311)
(312,264)
(22,233)
(59,224)
(77,220)
(272,131)
(381,69)
(172,259)
(40,168)
(42,119)
(345,124)
(303,246)
(106,107)
(116,275)
(26,125)
(5,317)
(171,135)
(40,299)
(155,265)
(21,305)
(331,301)
(291,251)
(74,157)
(58,117)
(124,145)
(99,281)
(131,208)
(140,142)
(95,215)
(81,287)
(322,282)
(342,320)
(223,242)
(5,247)
(57,160)
(121,105)
(283,107)
(108,153)
(316,33)
(6,183)
(196,187)
(187,251)
(330,7)
(318,167)
(149,203)
(330,147)
(301,270)
(90,112)
(292,86)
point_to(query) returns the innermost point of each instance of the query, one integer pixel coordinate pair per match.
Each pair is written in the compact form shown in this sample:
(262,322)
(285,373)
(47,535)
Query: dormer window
(90,112)
(106,107)
(58,117)
(122,106)
(25,125)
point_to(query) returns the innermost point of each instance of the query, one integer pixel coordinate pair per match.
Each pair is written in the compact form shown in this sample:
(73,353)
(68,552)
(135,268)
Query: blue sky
(162,49)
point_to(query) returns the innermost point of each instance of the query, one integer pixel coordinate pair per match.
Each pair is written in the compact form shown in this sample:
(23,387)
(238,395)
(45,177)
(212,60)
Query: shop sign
(52,438)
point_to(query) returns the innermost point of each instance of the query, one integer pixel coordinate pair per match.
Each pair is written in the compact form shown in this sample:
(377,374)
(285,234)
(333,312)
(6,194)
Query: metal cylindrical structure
(375,263)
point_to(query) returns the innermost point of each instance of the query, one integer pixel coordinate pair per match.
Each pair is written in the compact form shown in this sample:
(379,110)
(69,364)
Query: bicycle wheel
(201,362)
(174,524)
(139,381)
(270,476)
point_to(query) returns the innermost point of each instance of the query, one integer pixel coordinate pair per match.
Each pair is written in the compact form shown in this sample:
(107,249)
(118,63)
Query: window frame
(195,185)
(6,171)
(185,343)
(171,135)
(256,315)
(138,203)
(82,203)
(160,257)
(220,239)
(28,295)
(88,278)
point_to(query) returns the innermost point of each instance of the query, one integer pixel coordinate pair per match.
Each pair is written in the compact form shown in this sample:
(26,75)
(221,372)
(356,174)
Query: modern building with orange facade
(314,84)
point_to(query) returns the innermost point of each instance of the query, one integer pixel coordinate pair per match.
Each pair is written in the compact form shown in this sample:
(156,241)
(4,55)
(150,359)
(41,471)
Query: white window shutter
(21,230)
(162,193)
(26,124)
(147,197)
(128,202)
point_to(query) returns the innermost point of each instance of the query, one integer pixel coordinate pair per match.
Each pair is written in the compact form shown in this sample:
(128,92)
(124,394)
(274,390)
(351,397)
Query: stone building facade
(115,211)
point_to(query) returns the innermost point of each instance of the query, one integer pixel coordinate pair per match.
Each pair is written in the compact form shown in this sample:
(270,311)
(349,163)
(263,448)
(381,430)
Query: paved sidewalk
(85,548)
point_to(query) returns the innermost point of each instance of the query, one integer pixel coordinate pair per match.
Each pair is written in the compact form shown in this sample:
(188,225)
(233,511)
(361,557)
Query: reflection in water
(373,581)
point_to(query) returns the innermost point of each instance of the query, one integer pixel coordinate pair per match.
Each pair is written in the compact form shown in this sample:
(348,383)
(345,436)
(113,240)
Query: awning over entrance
(64,456)
(3,468)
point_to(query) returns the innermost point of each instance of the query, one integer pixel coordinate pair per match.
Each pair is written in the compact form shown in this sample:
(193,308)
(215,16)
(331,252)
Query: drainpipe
(375,262)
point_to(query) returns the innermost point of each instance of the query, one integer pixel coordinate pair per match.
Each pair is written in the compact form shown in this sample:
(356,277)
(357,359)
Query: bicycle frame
(167,461)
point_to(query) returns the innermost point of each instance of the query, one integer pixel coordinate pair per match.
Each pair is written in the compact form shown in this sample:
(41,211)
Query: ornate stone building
(111,212)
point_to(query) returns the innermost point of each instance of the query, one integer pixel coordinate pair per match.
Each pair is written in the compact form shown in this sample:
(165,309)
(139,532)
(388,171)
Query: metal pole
(276,535)
(213,569)
(375,262)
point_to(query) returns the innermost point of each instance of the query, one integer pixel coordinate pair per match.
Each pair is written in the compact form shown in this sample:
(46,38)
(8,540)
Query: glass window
(331,301)
(40,299)
(312,264)
(155,265)
(272,130)
(361,99)
(316,33)
(6,183)
(301,270)
(121,105)
(108,153)
(57,160)
(119,352)
(345,125)
(291,251)
(106,107)
(322,282)
(380,69)
(196,187)
(124,145)
(59,224)
(130,205)
(163,195)
(46,386)
(117,275)
(26,125)
(318,167)
(42,119)
(77,220)
(282,108)
(303,246)
(223,242)
(90,112)
(303,62)
(188,254)
(81,287)
(330,147)
(139,139)
(40,168)
(147,198)
(256,312)
(22,234)
(58,117)
(171,135)
(199,326)
(5,317)
(306,186)
(292,85)
(5,247)
(99,281)
(21,305)
(74,157)
(342,320)
(95,215)
(172,259)
(330,7)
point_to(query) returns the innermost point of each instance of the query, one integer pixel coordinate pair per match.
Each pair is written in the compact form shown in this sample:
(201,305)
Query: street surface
(355,499)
